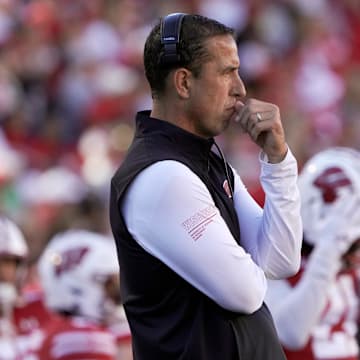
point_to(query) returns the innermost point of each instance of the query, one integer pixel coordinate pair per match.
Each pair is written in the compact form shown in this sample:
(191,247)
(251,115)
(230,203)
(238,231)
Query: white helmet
(74,268)
(328,179)
(12,241)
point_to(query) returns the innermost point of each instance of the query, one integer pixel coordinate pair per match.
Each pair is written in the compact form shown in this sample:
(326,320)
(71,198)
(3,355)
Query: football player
(22,314)
(79,273)
(316,312)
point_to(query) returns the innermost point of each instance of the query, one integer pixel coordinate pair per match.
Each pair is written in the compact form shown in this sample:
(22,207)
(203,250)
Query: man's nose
(239,88)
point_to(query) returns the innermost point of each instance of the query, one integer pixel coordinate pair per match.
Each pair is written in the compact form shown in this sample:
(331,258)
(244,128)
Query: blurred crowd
(71,80)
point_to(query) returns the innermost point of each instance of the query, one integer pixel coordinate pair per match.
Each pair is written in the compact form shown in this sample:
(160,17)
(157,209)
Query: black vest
(168,317)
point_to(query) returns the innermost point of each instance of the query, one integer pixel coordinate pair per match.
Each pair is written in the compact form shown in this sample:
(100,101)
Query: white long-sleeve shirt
(170,212)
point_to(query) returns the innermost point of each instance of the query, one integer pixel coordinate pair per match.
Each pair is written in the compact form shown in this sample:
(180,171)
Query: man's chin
(225,124)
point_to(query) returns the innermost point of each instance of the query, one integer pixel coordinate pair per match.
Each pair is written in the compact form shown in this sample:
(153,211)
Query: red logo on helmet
(70,259)
(329,181)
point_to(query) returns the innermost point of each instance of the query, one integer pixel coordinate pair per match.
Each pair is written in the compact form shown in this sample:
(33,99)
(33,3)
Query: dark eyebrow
(231,68)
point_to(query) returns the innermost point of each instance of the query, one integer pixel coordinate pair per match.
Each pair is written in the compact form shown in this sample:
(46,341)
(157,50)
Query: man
(22,314)
(193,246)
(317,311)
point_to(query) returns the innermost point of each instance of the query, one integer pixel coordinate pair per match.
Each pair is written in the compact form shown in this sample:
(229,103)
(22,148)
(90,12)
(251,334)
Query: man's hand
(261,120)
(339,226)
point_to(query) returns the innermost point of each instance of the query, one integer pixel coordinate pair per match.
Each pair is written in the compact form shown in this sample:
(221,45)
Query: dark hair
(195,30)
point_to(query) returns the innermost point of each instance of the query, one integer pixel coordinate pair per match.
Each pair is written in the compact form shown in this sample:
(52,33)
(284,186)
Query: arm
(304,303)
(176,221)
(272,236)
(275,241)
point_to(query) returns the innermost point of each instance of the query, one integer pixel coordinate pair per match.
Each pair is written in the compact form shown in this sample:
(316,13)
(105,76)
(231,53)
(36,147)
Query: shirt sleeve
(272,236)
(171,214)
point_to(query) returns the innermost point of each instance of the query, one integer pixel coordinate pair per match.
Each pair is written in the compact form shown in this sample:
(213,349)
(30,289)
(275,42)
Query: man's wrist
(275,159)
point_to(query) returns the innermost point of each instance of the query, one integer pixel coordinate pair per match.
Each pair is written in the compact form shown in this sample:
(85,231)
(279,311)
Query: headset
(170,38)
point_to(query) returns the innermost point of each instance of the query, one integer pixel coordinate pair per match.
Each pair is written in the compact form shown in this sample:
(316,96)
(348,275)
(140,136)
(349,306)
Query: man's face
(8,283)
(8,269)
(218,87)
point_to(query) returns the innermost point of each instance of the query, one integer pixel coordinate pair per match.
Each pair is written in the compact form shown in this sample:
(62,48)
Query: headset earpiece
(170,38)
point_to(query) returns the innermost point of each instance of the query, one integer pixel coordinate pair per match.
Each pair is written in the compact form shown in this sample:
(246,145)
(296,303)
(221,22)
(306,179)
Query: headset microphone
(170,38)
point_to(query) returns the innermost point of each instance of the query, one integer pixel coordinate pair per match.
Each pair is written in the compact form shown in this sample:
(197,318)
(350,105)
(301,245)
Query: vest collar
(195,146)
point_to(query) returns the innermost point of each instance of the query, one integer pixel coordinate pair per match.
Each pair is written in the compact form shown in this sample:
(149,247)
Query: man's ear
(182,82)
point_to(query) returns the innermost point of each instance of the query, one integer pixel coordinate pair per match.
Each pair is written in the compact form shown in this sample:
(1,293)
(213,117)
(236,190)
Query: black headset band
(170,37)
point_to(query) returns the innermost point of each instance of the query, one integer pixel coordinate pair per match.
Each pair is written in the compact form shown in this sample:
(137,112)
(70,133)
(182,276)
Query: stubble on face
(212,104)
